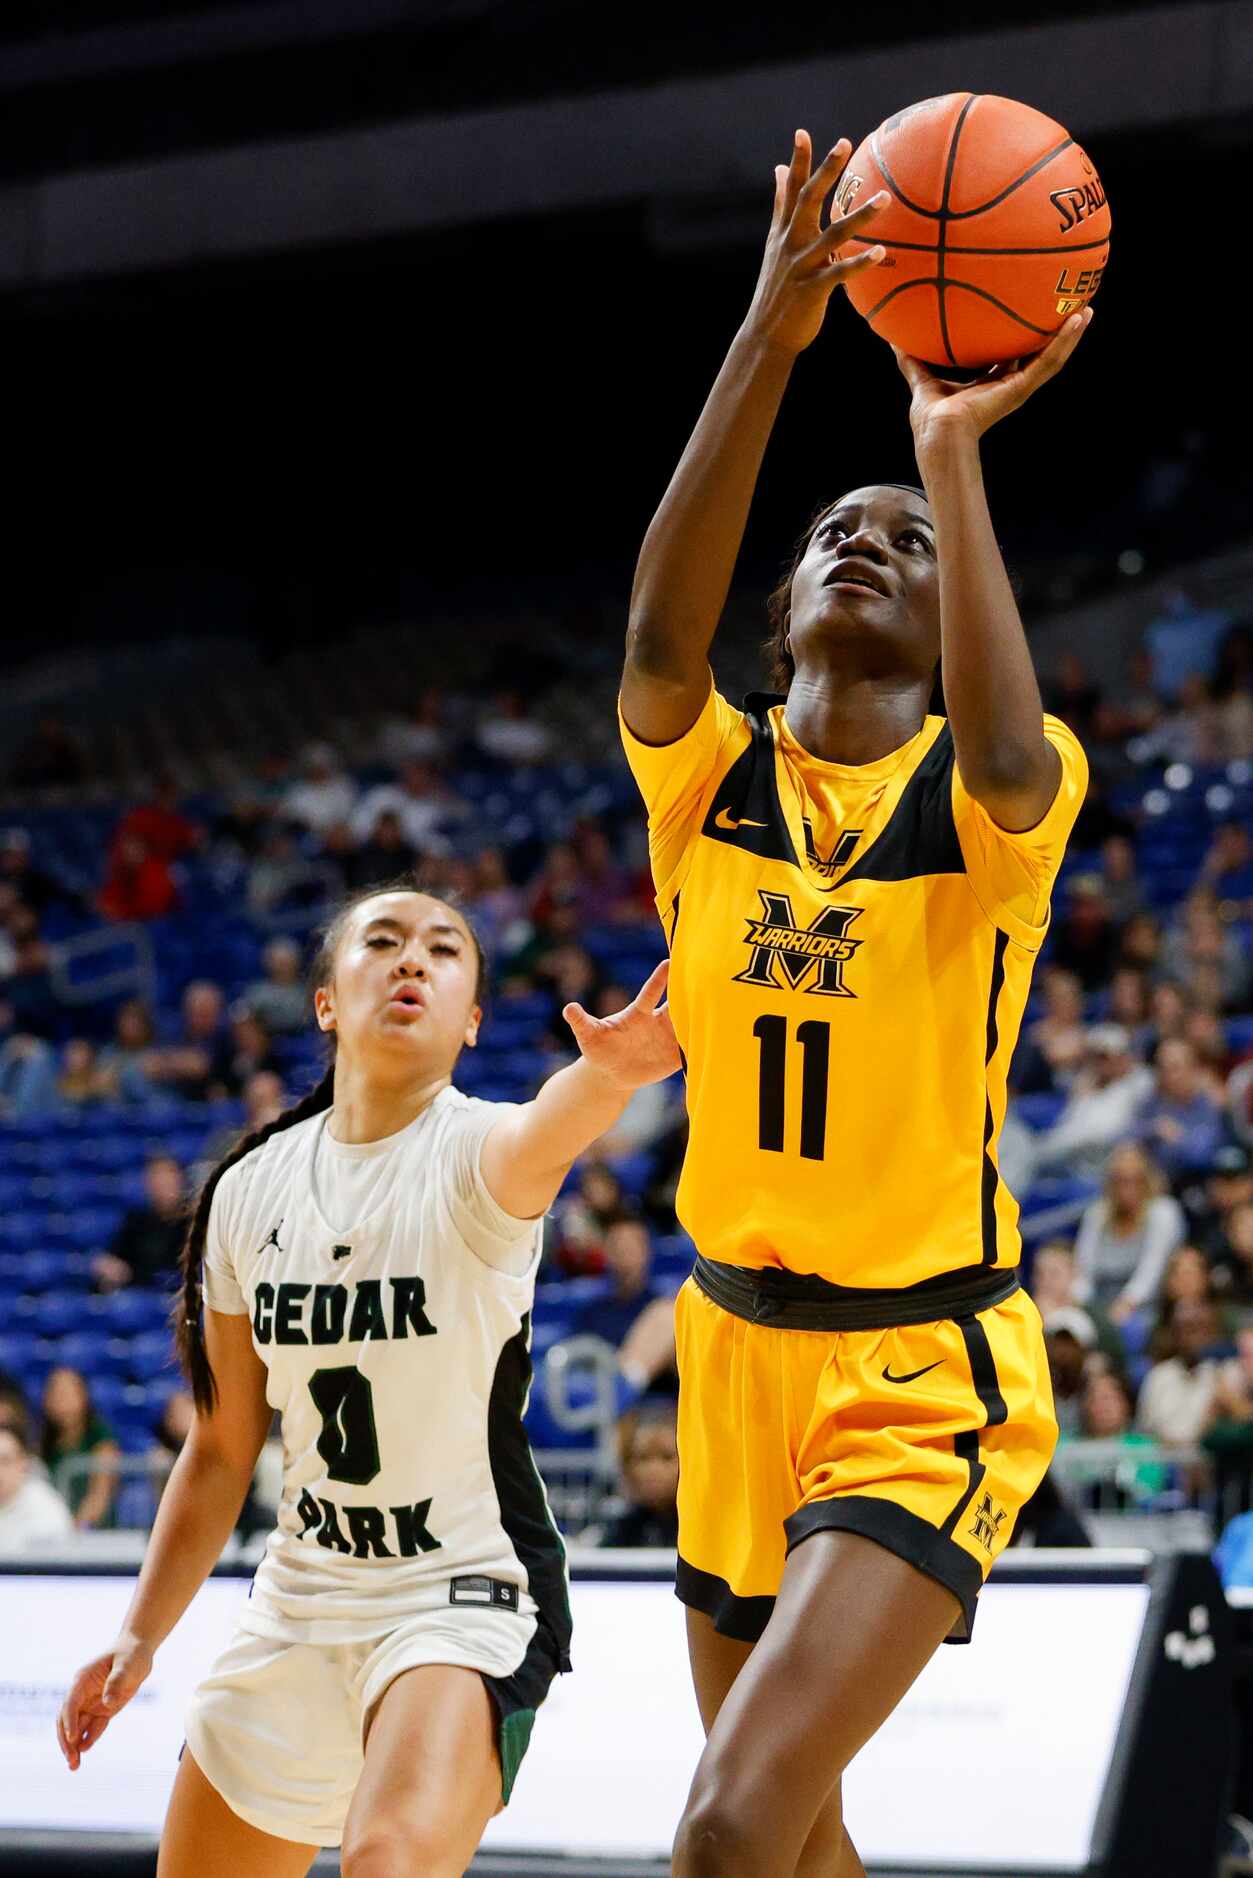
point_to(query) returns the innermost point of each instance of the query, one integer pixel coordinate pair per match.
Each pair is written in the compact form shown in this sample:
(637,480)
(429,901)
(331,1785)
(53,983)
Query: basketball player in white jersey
(368,1264)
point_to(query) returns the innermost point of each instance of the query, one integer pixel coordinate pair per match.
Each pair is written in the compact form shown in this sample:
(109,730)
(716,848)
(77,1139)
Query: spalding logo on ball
(996,232)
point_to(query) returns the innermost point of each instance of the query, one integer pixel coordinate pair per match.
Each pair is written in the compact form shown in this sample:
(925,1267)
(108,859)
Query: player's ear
(324,1008)
(470,1034)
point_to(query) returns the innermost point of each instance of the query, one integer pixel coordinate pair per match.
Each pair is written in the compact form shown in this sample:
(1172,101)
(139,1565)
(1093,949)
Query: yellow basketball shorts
(927,1438)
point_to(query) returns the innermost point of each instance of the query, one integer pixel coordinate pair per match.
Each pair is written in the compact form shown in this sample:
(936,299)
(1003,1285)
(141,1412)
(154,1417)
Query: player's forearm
(689,552)
(572,1110)
(196,1517)
(990,689)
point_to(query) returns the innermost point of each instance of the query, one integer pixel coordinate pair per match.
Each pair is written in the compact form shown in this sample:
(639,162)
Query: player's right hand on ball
(802,265)
(101,1689)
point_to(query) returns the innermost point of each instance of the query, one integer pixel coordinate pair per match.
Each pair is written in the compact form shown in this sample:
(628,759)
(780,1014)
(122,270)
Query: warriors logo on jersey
(846,1022)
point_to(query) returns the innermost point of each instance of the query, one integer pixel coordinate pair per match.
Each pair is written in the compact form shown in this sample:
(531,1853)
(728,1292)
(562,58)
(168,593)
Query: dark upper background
(373,426)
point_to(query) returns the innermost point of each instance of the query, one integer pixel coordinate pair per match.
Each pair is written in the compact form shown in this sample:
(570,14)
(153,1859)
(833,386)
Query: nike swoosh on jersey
(723,820)
(913,1374)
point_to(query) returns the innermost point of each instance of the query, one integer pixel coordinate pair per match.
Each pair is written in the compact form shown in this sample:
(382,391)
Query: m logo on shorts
(817,953)
(987,1524)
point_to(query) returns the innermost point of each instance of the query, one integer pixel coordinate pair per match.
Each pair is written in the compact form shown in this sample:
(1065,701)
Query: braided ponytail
(188,1321)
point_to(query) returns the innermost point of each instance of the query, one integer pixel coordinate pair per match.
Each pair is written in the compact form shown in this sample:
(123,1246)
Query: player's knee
(396,1847)
(716,1839)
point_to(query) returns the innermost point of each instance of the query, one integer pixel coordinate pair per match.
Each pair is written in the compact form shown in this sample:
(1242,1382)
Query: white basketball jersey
(396,1348)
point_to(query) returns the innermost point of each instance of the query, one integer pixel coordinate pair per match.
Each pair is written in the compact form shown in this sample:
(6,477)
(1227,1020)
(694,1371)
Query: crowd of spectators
(1132,1081)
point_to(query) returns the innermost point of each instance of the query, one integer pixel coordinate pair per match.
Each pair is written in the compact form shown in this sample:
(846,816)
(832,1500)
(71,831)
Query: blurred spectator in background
(14,1408)
(264,1101)
(193,1062)
(608,893)
(419,738)
(83,1079)
(1069,1342)
(1107,1416)
(1233,1263)
(281,877)
(245,1052)
(32,1513)
(50,757)
(582,1215)
(422,802)
(1127,1004)
(1073,695)
(1140,943)
(29,989)
(509,734)
(1201,938)
(1126,1237)
(28,884)
(1085,941)
(1177,1396)
(1053,1047)
(1168,1015)
(634,1315)
(1120,881)
(1228,1438)
(28,1070)
(72,1432)
(1227,870)
(159,823)
(628,1251)
(383,854)
(279,999)
(496,905)
(172,1429)
(146,1246)
(138,885)
(648,1453)
(1047,1520)
(125,1060)
(1208,1203)
(1180,1122)
(1053,1293)
(1105,1098)
(324,795)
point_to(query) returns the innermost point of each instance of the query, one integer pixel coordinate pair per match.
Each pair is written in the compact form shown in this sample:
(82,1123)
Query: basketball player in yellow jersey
(854,894)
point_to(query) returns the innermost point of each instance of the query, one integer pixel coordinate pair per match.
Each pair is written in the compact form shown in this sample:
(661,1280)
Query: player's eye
(380,939)
(912,534)
(829,530)
(449,951)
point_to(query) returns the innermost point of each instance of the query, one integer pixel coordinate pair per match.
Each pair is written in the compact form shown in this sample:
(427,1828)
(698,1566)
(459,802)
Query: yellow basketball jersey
(851,949)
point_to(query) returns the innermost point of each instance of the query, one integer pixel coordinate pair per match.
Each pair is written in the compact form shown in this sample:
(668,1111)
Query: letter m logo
(817,953)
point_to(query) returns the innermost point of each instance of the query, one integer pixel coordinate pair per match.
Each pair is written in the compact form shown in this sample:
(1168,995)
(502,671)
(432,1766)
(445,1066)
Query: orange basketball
(997,230)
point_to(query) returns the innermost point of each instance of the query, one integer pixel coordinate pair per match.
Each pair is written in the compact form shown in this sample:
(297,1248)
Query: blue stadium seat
(151,1355)
(18,1349)
(634,1172)
(1040,1110)
(56,1314)
(132,1310)
(21,1231)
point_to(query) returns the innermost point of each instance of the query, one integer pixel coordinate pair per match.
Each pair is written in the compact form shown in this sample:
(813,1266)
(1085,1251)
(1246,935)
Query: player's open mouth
(846,577)
(408,995)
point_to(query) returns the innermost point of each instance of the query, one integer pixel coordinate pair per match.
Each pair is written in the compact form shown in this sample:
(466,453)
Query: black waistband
(801,1301)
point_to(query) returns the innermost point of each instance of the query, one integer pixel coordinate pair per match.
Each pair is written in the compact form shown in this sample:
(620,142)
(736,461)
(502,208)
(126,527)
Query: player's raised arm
(990,690)
(689,552)
(531,1149)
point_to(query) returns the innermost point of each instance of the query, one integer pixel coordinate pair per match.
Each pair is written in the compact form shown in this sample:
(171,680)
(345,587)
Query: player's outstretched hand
(636,1045)
(100,1691)
(802,267)
(938,404)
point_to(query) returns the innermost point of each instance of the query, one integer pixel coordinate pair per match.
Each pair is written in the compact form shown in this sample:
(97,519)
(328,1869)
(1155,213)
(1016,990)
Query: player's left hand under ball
(633,1046)
(939,407)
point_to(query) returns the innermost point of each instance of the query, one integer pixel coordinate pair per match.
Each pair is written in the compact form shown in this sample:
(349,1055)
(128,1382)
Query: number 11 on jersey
(814,1038)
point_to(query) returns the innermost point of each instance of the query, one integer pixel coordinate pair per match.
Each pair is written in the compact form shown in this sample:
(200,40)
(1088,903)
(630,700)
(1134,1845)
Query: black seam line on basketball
(952,247)
(961,286)
(961,215)
(942,232)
